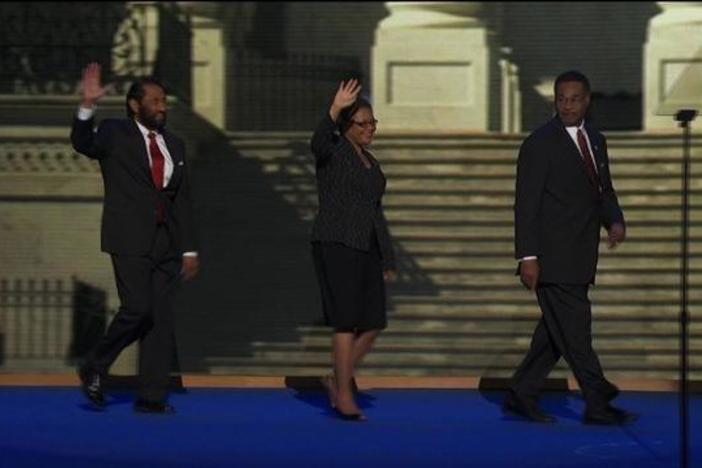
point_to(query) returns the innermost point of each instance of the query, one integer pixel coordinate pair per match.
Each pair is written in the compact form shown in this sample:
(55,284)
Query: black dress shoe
(91,385)
(608,416)
(624,416)
(154,407)
(612,393)
(527,410)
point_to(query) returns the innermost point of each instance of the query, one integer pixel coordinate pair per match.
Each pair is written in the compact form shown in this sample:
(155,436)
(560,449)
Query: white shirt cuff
(532,257)
(189,254)
(85,113)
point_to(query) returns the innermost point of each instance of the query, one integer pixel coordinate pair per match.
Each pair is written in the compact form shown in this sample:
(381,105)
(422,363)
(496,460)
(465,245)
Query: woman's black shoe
(358,417)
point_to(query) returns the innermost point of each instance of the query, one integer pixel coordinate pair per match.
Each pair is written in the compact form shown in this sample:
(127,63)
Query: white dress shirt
(573,132)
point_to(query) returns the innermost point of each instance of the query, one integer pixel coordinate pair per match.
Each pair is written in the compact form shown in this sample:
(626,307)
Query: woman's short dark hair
(346,115)
(571,75)
(138,90)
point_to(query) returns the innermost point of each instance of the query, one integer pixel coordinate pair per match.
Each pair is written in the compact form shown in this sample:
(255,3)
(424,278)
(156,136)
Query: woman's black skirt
(352,286)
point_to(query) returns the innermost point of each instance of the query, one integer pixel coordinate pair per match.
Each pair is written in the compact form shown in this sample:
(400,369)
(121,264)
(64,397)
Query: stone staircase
(458,309)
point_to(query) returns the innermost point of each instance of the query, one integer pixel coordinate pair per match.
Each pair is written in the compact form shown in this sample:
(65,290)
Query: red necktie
(589,165)
(157,163)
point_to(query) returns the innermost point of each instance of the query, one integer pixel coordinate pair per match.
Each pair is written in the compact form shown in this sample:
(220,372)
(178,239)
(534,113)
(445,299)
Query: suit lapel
(597,148)
(176,157)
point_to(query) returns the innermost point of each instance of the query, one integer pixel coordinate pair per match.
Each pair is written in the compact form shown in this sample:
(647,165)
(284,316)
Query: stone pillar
(510,95)
(208,60)
(672,63)
(431,65)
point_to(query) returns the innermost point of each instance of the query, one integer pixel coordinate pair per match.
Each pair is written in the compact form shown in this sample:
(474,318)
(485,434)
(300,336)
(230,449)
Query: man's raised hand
(91,86)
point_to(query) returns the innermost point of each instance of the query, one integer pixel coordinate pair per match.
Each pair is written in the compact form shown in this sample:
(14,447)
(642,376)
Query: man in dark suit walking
(564,194)
(147,229)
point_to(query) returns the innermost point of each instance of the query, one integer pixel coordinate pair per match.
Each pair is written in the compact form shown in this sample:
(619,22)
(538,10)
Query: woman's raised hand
(345,96)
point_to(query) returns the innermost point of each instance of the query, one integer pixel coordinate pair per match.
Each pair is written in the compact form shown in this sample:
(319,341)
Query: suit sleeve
(324,139)
(612,212)
(91,143)
(532,171)
(184,210)
(384,241)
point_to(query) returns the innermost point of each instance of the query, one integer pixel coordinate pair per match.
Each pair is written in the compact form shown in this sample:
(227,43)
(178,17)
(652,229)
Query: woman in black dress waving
(351,245)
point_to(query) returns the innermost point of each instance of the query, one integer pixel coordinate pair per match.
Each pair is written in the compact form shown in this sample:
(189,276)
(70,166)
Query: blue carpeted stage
(53,427)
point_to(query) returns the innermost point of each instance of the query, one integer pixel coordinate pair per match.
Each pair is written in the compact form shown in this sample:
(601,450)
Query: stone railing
(50,157)
(47,323)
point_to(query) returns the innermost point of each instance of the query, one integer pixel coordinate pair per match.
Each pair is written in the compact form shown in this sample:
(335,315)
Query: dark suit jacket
(557,213)
(129,217)
(350,208)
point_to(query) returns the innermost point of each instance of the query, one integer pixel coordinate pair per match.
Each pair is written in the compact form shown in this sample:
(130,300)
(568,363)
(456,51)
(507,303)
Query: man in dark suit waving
(564,194)
(147,229)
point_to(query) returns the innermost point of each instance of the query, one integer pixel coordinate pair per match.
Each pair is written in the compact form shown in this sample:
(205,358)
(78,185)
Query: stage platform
(274,422)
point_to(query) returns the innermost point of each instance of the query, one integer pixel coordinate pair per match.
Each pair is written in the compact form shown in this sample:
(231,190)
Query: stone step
(305,184)
(497,248)
(605,280)
(648,315)
(618,168)
(605,346)
(621,145)
(635,231)
(437,168)
(518,295)
(506,200)
(644,199)
(251,367)
(609,324)
(507,359)
(505,215)
(467,154)
(640,264)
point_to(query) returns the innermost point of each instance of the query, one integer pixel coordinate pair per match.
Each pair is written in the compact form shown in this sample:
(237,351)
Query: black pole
(684,116)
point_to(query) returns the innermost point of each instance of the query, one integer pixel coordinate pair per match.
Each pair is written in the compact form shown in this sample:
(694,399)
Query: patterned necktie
(589,165)
(157,164)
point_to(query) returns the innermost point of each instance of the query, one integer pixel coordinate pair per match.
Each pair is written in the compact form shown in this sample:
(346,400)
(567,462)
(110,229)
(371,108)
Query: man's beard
(152,123)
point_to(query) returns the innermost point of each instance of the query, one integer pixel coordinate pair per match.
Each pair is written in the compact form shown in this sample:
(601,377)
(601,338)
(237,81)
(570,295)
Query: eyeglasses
(366,124)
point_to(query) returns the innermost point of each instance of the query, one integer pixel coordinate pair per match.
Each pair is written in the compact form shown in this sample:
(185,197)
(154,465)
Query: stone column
(208,60)
(431,67)
(672,63)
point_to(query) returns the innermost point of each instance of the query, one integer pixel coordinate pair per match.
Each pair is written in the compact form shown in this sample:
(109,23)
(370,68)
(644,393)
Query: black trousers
(564,330)
(146,285)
